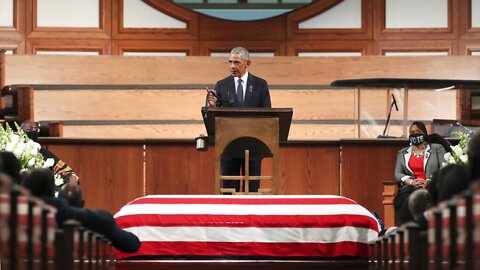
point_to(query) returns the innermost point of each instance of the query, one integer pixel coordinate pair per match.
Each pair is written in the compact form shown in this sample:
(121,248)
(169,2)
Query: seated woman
(414,168)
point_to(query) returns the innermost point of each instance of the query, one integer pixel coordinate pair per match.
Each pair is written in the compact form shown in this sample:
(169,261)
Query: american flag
(224,226)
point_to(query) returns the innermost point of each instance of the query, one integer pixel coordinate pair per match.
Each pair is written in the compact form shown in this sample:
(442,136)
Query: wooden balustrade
(27,240)
(448,242)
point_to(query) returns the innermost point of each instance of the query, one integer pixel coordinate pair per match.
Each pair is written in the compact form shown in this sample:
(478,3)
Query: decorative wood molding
(17,32)
(382,33)
(207,47)
(170,9)
(120,46)
(86,45)
(466,29)
(294,47)
(103,32)
(450,46)
(466,47)
(17,46)
(316,8)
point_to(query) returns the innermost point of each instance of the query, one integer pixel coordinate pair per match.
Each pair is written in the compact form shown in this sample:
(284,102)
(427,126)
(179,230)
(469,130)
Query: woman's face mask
(416,138)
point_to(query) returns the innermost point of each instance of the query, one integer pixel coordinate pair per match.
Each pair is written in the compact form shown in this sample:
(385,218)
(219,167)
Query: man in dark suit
(240,89)
(40,182)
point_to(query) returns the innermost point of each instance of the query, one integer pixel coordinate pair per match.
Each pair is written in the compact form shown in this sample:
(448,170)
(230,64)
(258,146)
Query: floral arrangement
(27,151)
(459,151)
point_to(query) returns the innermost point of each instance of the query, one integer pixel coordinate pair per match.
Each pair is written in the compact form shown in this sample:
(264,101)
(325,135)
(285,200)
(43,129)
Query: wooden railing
(449,242)
(157,97)
(29,238)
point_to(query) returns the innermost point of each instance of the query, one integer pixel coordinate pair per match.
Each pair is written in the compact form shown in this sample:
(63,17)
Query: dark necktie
(240,93)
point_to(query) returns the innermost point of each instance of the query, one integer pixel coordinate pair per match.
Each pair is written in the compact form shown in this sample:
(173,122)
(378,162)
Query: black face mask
(416,139)
(33,135)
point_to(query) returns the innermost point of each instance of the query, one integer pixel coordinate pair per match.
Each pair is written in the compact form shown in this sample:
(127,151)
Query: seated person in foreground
(40,182)
(11,166)
(474,156)
(73,194)
(414,167)
(449,181)
(32,130)
(418,202)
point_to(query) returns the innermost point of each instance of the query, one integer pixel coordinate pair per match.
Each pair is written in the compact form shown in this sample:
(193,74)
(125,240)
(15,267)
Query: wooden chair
(390,189)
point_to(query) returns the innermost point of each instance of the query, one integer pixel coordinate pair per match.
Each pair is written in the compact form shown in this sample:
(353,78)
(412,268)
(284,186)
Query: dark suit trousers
(233,166)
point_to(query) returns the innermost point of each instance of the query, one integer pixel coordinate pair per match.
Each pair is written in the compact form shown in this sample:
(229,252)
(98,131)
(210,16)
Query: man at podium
(240,89)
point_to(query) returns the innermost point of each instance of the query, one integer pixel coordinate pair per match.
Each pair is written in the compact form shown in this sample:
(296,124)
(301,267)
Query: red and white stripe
(273,226)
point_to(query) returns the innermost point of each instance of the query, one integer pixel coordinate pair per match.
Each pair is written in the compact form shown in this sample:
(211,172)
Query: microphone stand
(383,135)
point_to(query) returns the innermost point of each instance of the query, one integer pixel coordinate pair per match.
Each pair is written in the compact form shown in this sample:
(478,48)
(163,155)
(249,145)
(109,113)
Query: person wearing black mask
(414,168)
(32,129)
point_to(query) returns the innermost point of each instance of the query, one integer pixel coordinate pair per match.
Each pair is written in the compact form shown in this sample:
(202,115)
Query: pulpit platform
(268,230)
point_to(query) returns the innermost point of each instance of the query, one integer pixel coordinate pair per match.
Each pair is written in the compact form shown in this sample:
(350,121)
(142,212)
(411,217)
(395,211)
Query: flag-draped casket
(217,226)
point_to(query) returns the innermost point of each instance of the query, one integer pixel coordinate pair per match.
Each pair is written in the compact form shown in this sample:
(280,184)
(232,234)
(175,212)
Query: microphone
(464,127)
(395,102)
(209,92)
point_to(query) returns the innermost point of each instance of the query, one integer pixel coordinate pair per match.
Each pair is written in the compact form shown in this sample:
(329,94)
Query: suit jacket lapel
(232,96)
(406,159)
(249,90)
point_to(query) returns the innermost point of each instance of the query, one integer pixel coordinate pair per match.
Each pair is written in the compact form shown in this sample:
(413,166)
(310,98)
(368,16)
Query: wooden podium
(247,132)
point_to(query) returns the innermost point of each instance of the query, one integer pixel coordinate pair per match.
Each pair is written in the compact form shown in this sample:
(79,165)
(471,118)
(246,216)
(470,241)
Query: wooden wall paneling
(213,29)
(111,174)
(363,168)
(466,29)
(208,47)
(102,104)
(464,105)
(16,33)
(102,46)
(128,130)
(187,130)
(170,9)
(466,47)
(121,46)
(111,171)
(363,46)
(18,47)
(381,33)
(382,46)
(73,33)
(312,169)
(299,71)
(317,7)
(177,168)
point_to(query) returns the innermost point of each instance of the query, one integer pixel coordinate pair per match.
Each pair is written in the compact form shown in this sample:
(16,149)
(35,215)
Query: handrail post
(469,227)
(437,213)
(386,257)
(81,247)
(44,240)
(13,225)
(414,246)
(30,225)
(452,206)
(90,250)
(393,250)
(59,250)
(401,247)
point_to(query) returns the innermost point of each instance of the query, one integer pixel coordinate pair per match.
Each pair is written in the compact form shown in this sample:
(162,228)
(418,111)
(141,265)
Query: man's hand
(74,179)
(212,97)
